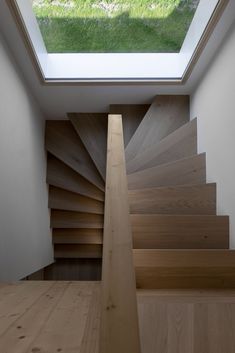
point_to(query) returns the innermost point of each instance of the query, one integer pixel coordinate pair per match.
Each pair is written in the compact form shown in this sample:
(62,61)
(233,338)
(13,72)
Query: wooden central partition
(119,319)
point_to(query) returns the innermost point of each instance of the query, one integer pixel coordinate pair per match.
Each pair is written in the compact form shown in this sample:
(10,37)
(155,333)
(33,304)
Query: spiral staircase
(178,240)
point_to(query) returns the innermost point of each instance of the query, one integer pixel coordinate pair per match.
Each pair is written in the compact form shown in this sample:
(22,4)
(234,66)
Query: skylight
(68,45)
(114,26)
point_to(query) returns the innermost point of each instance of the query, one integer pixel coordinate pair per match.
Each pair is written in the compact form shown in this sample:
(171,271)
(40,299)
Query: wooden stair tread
(184,268)
(62,176)
(132,115)
(180,231)
(63,142)
(179,199)
(165,115)
(181,143)
(92,129)
(71,219)
(191,170)
(77,236)
(78,251)
(66,200)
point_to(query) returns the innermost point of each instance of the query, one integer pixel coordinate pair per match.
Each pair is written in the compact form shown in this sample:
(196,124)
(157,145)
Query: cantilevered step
(179,199)
(190,170)
(166,114)
(179,231)
(77,236)
(132,114)
(92,129)
(70,219)
(63,142)
(65,200)
(191,269)
(62,176)
(78,251)
(181,143)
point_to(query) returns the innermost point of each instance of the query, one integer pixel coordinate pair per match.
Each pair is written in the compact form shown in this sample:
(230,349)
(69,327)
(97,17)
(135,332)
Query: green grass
(114,26)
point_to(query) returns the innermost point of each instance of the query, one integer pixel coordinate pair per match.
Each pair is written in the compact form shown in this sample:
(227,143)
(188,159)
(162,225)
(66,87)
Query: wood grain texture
(187,321)
(187,171)
(186,199)
(71,219)
(62,176)
(185,269)
(63,142)
(180,231)
(89,251)
(92,129)
(119,321)
(77,236)
(132,115)
(65,200)
(165,115)
(181,143)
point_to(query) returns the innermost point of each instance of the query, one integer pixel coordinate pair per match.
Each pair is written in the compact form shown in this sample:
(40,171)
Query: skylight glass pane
(114,26)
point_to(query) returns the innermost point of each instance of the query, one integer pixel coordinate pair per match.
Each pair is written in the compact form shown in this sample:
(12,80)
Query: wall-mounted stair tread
(132,114)
(65,200)
(71,219)
(181,143)
(62,176)
(180,231)
(63,142)
(184,268)
(165,115)
(92,129)
(182,199)
(90,251)
(191,170)
(77,236)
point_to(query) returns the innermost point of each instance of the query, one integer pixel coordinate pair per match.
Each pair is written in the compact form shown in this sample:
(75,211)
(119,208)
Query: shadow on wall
(117,34)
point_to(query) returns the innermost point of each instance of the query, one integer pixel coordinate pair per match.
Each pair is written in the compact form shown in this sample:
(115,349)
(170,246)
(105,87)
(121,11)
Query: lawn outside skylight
(114,26)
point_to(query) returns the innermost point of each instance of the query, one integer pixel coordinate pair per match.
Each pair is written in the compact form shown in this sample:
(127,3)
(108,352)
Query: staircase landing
(51,316)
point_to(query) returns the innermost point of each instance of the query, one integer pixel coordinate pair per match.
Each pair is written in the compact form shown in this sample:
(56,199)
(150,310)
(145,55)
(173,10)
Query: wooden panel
(190,170)
(77,251)
(119,321)
(77,236)
(184,268)
(187,321)
(66,200)
(74,270)
(63,142)
(92,129)
(70,219)
(60,175)
(180,232)
(181,143)
(187,199)
(132,114)
(165,115)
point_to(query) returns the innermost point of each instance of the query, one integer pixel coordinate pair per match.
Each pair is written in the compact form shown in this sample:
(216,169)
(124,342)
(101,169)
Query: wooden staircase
(178,241)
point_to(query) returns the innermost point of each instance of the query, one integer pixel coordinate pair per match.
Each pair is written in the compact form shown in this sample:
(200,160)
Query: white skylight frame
(117,67)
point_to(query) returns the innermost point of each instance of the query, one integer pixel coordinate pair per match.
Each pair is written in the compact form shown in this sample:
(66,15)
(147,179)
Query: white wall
(25,239)
(213,103)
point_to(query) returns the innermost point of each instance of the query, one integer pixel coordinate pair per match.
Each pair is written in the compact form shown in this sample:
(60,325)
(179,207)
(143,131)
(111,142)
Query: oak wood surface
(165,115)
(191,170)
(181,143)
(92,129)
(89,251)
(71,219)
(183,199)
(119,321)
(63,142)
(77,236)
(62,176)
(65,200)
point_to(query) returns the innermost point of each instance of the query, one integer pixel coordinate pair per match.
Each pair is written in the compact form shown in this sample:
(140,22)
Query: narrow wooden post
(119,318)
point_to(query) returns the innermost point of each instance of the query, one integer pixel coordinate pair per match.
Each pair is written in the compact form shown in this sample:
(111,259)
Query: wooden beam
(119,319)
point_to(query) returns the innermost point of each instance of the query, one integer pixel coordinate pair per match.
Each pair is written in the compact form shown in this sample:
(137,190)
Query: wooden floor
(51,317)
